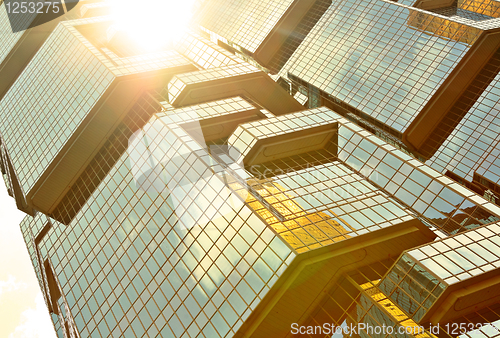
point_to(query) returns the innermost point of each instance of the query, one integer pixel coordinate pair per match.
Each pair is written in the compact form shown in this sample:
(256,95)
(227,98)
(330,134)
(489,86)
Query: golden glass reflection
(303,230)
(443,27)
(485,7)
(394,311)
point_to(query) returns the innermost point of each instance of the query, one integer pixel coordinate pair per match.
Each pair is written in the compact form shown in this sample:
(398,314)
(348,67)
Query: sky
(23,313)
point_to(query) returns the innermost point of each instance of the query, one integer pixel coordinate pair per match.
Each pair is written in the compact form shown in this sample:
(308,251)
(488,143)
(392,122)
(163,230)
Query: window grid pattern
(421,275)
(128,268)
(462,256)
(247,135)
(487,218)
(181,81)
(409,3)
(455,28)
(48,102)
(8,39)
(442,202)
(6,174)
(83,74)
(299,33)
(461,14)
(368,56)
(205,110)
(323,204)
(358,298)
(445,204)
(319,204)
(205,53)
(411,287)
(473,141)
(336,306)
(488,316)
(115,232)
(490,166)
(107,156)
(243,22)
(485,7)
(120,235)
(461,106)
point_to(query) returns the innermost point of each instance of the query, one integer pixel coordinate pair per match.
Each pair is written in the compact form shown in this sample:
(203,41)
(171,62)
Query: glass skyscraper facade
(285,168)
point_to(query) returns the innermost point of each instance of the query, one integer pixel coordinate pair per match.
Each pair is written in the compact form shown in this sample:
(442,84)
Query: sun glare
(152,24)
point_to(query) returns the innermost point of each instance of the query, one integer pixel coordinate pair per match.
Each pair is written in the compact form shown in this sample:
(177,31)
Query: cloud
(35,322)
(11,284)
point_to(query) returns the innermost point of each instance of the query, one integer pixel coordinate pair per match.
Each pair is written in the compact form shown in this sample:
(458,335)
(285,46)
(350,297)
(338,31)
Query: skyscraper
(283,168)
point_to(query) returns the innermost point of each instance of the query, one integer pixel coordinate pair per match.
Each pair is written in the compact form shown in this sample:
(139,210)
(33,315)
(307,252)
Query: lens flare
(152,24)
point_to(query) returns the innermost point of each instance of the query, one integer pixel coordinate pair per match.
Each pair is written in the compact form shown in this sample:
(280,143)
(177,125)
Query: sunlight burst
(152,24)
